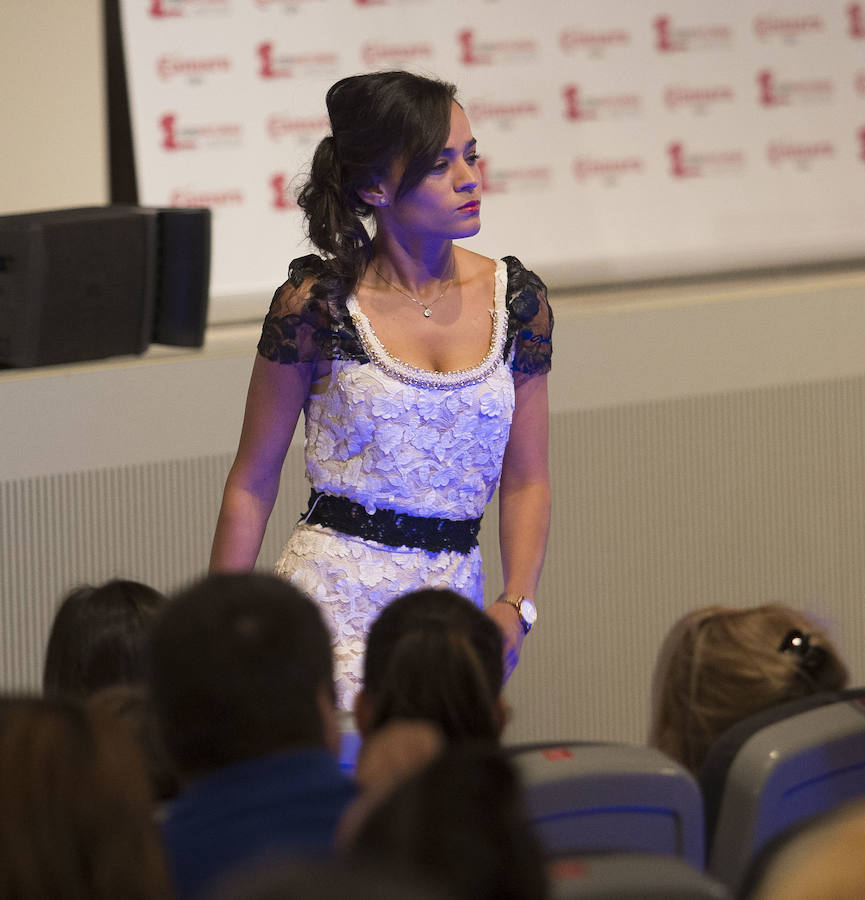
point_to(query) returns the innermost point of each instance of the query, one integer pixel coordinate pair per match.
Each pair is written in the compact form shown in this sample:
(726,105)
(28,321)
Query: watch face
(528,611)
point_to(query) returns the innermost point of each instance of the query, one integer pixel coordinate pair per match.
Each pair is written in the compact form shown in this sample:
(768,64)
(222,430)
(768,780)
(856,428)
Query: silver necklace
(427,307)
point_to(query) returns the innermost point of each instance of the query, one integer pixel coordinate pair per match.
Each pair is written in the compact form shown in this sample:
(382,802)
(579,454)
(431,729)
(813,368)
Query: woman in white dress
(421,371)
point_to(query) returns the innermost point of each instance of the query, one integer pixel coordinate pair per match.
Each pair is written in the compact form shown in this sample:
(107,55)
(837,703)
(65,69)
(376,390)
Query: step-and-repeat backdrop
(621,139)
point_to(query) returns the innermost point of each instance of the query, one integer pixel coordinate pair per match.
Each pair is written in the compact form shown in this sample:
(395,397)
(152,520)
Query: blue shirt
(289,803)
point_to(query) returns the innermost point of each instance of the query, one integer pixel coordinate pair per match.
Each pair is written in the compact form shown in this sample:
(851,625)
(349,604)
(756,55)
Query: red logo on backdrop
(775,92)
(281,197)
(685,164)
(212,198)
(607,169)
(194,69)
(862,144)
(679,168)
(859,82)
(171,9)
(282,65)
(787,29)
(170,139)
(801,155)
(504,181)
(375,54)
(474,52)
(280,126)
(581,108)
(673,39)
(503,113)
(856,20)
(595,43)
(177,137)
(287,5)
(164,9)
(697,99)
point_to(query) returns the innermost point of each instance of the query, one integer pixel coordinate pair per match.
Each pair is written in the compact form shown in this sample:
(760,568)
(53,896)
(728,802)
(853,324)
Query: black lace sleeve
(530,322)
(301,326)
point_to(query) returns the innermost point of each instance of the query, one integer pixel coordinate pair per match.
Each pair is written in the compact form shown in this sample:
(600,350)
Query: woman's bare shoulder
(473,265)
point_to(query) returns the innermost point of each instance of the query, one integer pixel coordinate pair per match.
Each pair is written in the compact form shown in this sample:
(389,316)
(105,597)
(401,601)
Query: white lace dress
(389,435)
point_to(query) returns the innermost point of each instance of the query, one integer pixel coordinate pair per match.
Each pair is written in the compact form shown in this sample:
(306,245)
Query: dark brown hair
(432,654)
(76,819)
(461,822)
(238,662)
(376,120)
(98,637)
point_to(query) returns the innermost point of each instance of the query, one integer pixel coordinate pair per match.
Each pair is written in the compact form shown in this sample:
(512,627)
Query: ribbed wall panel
(658,508)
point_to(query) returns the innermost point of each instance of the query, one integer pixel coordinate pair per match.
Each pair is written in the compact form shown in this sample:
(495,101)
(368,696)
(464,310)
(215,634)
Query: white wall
(53,146)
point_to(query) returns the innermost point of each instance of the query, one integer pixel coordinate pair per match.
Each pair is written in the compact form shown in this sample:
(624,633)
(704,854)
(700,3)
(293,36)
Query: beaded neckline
(419,377)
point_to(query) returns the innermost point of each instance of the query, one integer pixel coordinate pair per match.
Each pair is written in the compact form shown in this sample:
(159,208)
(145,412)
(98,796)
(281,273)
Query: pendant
(427,312)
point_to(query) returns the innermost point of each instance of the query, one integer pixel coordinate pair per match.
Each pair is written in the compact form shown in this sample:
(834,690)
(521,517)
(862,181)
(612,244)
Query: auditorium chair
(776,769)
(595,798)
(631,876)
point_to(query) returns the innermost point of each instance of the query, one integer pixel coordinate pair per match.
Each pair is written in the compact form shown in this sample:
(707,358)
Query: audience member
(459,822)
(433,655)
(98,637)
(242,685)
(719,665)
(332,880)
(822,861)
(392,754)
(129,706)
(75,812)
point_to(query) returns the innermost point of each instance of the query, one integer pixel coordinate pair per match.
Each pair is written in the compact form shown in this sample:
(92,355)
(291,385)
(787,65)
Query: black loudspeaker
(182,276)
(75,284)
(83,284)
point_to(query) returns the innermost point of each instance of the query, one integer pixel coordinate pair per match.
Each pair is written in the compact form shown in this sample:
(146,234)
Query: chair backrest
(593,798)
(632,876)
(781,773)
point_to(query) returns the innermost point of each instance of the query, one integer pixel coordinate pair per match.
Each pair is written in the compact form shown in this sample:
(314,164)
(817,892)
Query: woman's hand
(508,619)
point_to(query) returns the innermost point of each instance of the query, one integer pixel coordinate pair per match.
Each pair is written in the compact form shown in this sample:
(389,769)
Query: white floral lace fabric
(388,435)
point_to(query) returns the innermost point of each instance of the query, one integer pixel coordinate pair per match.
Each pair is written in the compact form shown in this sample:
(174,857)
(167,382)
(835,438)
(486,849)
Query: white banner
(620,140)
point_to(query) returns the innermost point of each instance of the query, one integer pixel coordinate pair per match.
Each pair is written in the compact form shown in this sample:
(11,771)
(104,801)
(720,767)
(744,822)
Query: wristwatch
(525,608)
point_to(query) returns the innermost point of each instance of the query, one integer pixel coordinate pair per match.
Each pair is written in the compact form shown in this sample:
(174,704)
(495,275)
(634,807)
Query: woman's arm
(276,396)
(524,508)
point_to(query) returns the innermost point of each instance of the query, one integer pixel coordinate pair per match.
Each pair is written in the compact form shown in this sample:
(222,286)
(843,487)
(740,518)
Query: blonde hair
(719,665)
(825,860)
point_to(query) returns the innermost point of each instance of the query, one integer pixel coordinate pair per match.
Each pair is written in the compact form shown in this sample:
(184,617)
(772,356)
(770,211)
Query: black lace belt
(387,526)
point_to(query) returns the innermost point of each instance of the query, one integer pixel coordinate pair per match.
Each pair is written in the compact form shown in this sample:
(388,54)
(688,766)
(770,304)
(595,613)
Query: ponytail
(334,223)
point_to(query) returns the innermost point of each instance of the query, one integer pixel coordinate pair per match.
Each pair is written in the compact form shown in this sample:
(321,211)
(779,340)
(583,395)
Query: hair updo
(376,120)
(720,665)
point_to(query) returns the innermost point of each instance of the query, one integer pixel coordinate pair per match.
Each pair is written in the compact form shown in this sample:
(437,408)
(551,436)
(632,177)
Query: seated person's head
(241,668)
(820,861)
(76,818)
(99,637)
(461,822)
(719,665)
(432,654)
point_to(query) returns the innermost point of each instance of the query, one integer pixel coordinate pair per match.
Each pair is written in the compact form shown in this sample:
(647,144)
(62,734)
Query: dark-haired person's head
(433,655)
(241,667)
(99,637)
(379,121)
(461,822)
(76,819)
